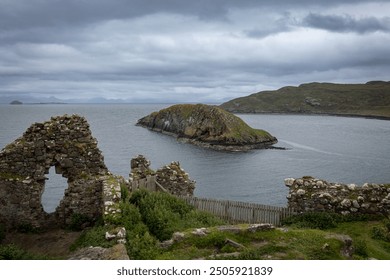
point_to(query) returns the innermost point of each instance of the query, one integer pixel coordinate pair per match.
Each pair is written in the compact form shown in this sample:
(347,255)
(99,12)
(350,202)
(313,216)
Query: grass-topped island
(208,126)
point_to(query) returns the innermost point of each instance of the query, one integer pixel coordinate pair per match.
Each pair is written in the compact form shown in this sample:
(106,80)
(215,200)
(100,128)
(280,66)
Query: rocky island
(207,126)
(16,102)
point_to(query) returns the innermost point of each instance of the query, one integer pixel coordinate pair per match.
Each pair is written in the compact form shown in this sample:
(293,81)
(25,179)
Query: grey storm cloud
(188,51)
(15,14)
(347,23)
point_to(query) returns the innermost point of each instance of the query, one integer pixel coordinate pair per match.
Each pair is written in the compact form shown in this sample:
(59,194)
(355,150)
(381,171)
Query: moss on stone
(10,176)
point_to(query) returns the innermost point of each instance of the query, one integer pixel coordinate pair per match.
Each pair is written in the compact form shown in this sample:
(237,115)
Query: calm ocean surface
(337,149)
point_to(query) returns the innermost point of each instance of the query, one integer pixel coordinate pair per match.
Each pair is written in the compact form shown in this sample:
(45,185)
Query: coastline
(215,146)
(385,118)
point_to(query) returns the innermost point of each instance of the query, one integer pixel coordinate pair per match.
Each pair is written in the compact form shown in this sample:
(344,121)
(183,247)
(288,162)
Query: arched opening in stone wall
(53,192)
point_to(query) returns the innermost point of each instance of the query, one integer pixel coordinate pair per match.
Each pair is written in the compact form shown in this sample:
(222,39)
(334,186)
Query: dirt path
(53,243)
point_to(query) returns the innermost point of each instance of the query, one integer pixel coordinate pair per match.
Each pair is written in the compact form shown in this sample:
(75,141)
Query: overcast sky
(187,50)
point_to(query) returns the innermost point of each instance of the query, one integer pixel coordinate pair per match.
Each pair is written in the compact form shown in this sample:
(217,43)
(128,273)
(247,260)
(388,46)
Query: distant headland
(371,99)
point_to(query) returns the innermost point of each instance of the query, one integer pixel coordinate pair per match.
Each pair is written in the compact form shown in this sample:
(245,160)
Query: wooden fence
(241,212)
(150,183)
(231,211)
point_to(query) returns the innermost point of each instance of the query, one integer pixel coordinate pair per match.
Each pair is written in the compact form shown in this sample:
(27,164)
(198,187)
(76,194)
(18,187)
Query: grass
(152,218)
(149,218)
(294,244)
(13,252)
(371,99)
(93,237)
(362,235)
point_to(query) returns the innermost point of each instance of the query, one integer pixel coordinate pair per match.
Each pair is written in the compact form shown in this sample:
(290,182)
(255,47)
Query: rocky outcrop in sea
(208,126)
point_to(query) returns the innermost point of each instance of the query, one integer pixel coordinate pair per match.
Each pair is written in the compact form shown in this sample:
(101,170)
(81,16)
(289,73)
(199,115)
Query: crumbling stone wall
(112,196)
(175,180)
(171,177)
(66,143)
(309,194)
(141,175)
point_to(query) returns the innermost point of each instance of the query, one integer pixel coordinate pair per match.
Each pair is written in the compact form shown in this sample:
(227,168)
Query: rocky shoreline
(313,114)
(218,146)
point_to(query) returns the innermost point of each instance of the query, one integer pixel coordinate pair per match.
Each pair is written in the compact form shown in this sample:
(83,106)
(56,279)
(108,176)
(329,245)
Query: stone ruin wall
(141,175)
(171,177)
(66,143)
(309,194)
(175,180)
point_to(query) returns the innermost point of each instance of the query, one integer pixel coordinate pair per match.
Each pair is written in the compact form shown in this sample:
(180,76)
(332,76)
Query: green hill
(371,100)
(208,126)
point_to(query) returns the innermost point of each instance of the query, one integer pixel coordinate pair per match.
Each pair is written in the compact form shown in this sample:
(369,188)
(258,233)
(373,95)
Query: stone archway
(66,143)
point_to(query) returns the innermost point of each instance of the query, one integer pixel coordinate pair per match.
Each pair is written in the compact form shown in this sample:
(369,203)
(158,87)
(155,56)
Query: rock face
(66,143)
(207,126)
(309,194)
(117,252)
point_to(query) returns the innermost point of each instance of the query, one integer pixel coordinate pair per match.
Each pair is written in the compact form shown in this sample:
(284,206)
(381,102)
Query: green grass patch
(365,240)
(149,217)
(95,237)
(13,252)
(326,220)
(293,244)
(165,214)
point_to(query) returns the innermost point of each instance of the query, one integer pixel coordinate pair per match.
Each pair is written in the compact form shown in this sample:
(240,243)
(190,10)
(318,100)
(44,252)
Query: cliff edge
(207,126)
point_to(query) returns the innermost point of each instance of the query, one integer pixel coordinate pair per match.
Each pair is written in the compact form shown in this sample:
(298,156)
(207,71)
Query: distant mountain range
(371,100)
(26,99)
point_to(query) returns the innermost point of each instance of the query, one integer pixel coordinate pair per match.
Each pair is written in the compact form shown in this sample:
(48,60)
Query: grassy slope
(370,99)
(289,244)
(153,217)
(205,122)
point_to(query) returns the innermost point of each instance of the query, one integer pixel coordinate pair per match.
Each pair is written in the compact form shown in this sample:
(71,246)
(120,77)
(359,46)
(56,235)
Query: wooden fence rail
(241,212)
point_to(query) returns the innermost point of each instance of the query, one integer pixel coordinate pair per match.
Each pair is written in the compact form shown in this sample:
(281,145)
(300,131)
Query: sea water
(336,149)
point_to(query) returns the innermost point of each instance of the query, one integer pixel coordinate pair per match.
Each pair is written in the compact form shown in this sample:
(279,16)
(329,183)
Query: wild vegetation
(152,218)
(370,99)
